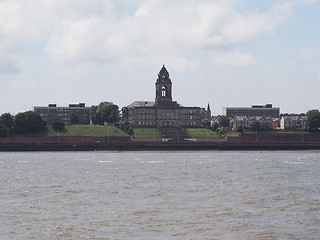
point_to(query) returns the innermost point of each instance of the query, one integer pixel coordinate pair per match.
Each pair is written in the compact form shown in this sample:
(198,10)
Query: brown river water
(160,195)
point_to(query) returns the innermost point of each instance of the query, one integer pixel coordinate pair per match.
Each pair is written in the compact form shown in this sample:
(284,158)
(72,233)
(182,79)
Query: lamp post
(108,134)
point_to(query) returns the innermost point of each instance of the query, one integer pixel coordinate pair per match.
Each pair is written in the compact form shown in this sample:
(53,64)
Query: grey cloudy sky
(225,52)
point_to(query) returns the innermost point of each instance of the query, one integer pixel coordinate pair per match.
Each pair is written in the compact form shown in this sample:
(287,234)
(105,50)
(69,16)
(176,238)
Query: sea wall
(269,138)
(75,139)
(248,142)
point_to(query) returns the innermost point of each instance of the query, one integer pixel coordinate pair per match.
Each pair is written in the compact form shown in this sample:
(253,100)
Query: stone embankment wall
(65,139)
(268,138)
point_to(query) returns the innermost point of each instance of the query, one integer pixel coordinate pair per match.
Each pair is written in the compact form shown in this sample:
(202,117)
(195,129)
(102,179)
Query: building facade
(247,121)
(53,113)
(164,112)
(293,122)
(255,110)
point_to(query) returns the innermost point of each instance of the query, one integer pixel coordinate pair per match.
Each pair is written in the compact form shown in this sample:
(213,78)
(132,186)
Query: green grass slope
(201,133)
(147,133)
(78,130)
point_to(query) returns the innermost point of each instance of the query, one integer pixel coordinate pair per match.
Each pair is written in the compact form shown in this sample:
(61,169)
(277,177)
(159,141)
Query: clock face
(163,76)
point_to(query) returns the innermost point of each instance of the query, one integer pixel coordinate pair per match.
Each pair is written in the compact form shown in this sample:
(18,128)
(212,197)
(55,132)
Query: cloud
(101,31)
(159,30)
(238,59)
(9,64)
(23,85)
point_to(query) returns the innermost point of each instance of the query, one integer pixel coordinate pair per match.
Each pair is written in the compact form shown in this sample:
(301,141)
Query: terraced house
(164,112)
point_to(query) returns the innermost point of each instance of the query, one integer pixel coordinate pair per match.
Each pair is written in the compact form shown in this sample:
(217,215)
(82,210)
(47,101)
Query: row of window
(192,123)
(145,112)
(166,116)
(152,123)
(146,123)
(153,112)
(61,110)
(61,114)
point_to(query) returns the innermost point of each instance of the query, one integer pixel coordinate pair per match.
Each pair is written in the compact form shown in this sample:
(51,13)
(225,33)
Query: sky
(222,52)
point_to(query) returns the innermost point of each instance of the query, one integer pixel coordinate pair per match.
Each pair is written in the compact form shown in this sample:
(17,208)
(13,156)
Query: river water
(160,195)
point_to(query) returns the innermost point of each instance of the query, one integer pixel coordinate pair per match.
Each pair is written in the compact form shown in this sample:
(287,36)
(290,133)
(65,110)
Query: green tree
(58,125)
(240,130)
(224,121)
(127,127)
(74,118)
(106,112)
(215,126)
(313,120)
(7,120)
(266,126)
(93,111)
(206,123)
(3,130)
(28,122)
(255,125)
(221,131)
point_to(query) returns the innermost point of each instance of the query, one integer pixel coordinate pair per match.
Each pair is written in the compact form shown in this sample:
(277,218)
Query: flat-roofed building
(255,110)
(52,113)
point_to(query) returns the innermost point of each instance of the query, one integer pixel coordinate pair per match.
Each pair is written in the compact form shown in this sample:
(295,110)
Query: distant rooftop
(71,105)
(254,110)
(142,104)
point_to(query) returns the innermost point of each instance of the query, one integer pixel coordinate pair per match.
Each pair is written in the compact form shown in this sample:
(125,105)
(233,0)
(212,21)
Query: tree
(313,120)
(127,127)
(266,126)
(74,118)
(215,126)
(105,112)
(7,120)
(28,122)
(224,121)
(206,123)
(3,130)
(58,125)
(93,111)
(255,125)
(240,130)
(221,131)
(109,112)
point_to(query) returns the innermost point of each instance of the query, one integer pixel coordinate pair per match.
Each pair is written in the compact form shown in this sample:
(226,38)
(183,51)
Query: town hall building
(164,112)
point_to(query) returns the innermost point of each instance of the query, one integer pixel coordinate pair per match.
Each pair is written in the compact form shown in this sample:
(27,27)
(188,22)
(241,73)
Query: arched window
(164,91)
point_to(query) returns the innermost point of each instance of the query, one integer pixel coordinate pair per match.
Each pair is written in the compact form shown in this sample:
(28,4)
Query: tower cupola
(163,86)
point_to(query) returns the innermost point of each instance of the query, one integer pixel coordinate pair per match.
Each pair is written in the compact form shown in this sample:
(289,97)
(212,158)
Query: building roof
(208,108)
(142,104)
(148,104)
(164,70)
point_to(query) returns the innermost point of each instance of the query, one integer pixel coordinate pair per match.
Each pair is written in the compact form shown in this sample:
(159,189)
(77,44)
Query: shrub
(58,126)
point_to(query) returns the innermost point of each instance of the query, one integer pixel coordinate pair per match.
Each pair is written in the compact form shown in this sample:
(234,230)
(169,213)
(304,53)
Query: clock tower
(163,87)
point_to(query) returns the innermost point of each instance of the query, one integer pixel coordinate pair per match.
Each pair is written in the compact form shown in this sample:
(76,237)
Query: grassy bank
(78,130)
(147,133)
(201,133)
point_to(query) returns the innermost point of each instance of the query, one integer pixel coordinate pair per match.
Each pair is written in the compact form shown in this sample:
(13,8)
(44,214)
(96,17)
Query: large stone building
(164,112)
(53,113)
